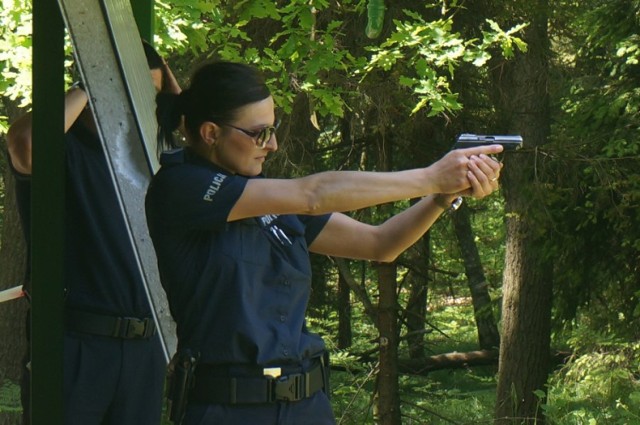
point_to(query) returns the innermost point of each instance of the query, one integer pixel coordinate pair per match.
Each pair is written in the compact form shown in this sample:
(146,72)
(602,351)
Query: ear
(209,132)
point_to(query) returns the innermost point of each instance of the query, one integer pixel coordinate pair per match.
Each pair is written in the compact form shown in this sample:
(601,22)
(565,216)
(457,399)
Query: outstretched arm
(170,82)
(345,237)
(19,136)
(340,191)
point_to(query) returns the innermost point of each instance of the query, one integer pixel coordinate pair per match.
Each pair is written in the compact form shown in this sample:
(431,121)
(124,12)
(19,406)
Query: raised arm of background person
(345,237)
(19,135)
(170,84)
(340,191)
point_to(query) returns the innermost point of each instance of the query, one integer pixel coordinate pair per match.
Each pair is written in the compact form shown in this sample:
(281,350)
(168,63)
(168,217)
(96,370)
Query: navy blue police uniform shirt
(101,272)
(238,291)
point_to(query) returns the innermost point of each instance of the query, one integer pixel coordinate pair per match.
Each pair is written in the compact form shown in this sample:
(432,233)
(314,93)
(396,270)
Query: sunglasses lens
(265,135)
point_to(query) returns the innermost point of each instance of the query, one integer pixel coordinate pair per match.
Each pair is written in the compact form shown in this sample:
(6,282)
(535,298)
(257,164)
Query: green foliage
(295,60)
(463,396)
(593,191)
(506,40)
(16,55)
(600,384)
(375,18)
(4,125)
(428,53)
(303,48)
(439,400)
(181,25)
(15,51)
(10,397)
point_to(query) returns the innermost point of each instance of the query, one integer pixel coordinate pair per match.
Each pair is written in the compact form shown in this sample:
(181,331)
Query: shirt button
(283,318)
(285,352)
(286,282)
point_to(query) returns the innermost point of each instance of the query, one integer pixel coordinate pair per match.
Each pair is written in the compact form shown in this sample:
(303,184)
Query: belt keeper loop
(117,332)
(149,327)
(307,385)
(233,387)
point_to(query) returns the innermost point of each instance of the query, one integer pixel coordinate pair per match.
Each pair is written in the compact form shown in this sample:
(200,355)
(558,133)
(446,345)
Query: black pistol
(509,143)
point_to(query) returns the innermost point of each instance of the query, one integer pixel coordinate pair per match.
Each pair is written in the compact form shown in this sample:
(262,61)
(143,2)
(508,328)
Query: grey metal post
(111,61)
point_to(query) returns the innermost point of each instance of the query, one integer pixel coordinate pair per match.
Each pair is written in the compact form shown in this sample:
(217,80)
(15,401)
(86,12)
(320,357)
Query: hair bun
(169,111)
(170,108)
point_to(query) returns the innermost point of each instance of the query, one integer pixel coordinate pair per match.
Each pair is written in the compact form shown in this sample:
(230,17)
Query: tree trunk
(488,336)
(524,365)
(12,313)
(388,406)
(359,291)
(524,349)
(417,304)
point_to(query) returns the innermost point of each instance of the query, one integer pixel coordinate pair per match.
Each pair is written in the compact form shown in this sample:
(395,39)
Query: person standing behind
(233,246)
(114,366)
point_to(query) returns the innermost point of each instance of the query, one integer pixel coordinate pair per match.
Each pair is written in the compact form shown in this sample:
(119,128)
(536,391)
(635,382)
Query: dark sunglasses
(260,137)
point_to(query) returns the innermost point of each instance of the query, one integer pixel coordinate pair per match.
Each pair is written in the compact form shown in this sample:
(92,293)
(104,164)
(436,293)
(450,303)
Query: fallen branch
(448,361)
(453,360)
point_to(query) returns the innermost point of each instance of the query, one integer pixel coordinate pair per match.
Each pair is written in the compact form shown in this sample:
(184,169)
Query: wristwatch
(453,206)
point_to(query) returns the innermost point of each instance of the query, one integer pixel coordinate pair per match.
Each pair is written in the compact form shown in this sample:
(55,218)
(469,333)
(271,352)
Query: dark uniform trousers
(112,381)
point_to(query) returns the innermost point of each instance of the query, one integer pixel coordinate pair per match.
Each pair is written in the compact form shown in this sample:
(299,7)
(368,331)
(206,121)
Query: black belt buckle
(288,388)
(132,327)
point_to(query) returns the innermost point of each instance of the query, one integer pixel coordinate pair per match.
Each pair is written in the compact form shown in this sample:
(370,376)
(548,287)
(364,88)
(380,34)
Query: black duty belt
(210,388)
(112,326)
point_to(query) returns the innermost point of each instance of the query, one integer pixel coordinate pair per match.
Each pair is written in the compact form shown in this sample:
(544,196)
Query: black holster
(180,377)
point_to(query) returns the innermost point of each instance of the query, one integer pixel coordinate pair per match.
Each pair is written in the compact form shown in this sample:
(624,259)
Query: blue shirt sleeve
(313,225)
(193,197)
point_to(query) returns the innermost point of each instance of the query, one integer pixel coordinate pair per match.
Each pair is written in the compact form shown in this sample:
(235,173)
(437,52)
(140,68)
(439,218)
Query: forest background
(544,275)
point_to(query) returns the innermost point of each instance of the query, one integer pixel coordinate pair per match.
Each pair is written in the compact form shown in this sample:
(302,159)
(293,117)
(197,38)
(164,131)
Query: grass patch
(10,406)
(444,397)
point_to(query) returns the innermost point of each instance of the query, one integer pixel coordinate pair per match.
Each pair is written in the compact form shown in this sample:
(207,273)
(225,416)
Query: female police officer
(233,247)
